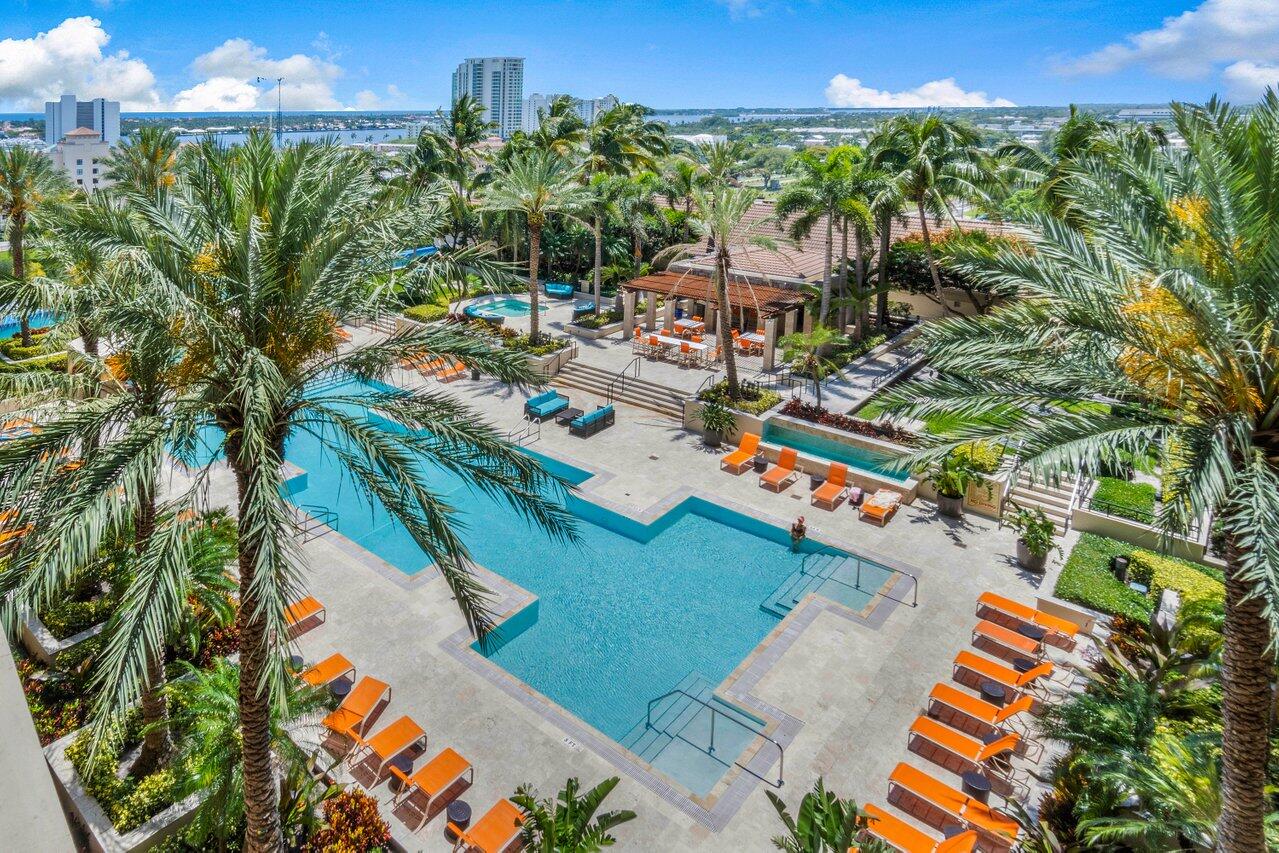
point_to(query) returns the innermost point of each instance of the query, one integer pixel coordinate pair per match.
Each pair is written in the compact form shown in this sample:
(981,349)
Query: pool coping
(715,809)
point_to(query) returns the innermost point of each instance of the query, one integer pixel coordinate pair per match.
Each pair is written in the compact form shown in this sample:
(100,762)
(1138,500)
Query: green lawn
(1135,501)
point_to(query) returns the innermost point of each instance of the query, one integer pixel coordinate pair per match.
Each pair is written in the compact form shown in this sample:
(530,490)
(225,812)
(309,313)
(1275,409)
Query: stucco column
(711,317)
(650,312)
(788,323)
(808,320)
(770,342)
(668,315)
(628,313)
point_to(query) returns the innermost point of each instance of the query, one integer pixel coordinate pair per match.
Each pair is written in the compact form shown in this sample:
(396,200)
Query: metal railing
(613,391)
(715,712)
(314,520)
(530,431)
(826,551)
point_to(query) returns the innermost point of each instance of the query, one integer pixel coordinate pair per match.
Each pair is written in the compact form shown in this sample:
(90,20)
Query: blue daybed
(544,405)
(592,422)
(559,289)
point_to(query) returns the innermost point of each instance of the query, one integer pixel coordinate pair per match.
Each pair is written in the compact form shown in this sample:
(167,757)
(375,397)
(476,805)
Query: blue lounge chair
(592,422)
(559,289)
(544,405)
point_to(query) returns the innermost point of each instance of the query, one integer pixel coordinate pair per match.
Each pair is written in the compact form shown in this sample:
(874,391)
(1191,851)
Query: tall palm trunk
(261,810)
(725,325)
(17,254)
(859,287)
(599,260)
(928,253)
(534,255)
(824,310)
(881,299)
(841,314)
(157,743)
(1246,673)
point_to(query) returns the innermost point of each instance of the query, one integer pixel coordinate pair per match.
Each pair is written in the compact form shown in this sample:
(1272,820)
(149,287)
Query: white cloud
(71,58)
(742,8)
(845,91)
(308,80)
(1238,37)
(219,94)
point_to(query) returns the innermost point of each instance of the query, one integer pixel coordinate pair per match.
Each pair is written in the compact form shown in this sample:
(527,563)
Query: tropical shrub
(753,401)
(1086,579)
(427,313)
(545,345)
(354,825)
(55,699)
(1197,586)
(128,801)
(569,823)
(597,321)
(1131,500)
(797,408)
(69,618)
(56,362)
(983,457)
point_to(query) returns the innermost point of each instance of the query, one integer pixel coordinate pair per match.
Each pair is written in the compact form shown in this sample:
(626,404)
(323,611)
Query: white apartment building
(497,82)
(587,108)
(66,114)
(82,155)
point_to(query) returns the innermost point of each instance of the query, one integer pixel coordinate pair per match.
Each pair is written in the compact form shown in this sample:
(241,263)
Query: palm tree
(929,160)
(818,198)
(246,267)
(806,352)
(147,162)
(569,823)
(1166,301)
(824,824)
(29,184)
(536,184)
(452,155)
(679,177)
(560,129)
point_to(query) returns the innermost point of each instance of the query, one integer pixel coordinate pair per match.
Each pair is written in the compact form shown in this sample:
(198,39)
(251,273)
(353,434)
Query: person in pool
(797,533)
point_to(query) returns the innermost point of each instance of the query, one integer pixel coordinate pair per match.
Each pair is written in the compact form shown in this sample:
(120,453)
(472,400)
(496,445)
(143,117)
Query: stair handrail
(1014,472)
(826,550)
(621,377)
(781,750)
(318,515)
(1076,495)
(531,430)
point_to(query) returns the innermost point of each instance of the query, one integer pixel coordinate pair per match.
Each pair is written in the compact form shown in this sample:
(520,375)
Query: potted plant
(1034,538)
(717,421)
(951,477)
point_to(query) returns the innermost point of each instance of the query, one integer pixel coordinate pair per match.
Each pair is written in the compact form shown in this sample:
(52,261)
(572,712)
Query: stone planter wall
(84,810)
(1086,520)
(547,366)
(37,639)
(593,334)
(745,422)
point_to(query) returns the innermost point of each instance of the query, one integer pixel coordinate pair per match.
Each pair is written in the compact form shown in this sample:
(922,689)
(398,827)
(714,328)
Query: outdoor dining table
(694,326)
(753,337)
(676,342)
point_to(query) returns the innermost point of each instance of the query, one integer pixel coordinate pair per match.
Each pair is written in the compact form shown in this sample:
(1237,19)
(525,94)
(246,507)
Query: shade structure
(765,300)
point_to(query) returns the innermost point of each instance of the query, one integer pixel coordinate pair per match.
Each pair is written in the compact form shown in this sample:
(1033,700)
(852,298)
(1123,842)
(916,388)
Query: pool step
(678,742)
(636,392)
(835,577)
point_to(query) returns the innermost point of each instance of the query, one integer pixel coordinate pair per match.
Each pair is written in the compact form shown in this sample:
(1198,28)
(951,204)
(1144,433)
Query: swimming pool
(501,306)
(879,464)
(621,618)
(11,324)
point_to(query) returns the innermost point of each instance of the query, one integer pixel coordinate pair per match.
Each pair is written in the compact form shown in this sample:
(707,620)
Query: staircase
(636,392)
(384,323)
(808,579)
(679,740)
(1053,500)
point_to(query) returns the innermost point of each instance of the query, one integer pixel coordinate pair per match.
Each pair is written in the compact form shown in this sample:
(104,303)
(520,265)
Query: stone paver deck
(846,689)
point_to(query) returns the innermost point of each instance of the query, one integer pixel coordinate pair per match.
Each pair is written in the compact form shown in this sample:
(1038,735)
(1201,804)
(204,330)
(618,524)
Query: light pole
(279,109)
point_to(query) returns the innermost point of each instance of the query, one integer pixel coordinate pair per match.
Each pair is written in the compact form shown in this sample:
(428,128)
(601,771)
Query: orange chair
(439,775)
(304,609)
(637,332)
(741,458)
(997,608)
(493,833)
(454,371)
(961,753)
(341,333)
(352,715)
(977,717)
(880,507)
(937,804)
(697,339)
(328,671)
(971,670)
(834,490)
(390,741)
(783,473)
(1005,642)
(900,835)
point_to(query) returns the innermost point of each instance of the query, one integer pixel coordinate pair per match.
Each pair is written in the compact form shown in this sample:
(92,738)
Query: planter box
(744,422)
(84,809)
(546,366)
(37,639)
(593,334)
(1086,520)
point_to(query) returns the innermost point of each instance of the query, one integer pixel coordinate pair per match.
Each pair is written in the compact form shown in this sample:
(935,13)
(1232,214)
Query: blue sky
(665,53)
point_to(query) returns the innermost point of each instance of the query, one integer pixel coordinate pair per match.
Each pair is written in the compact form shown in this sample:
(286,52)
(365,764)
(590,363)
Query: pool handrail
(781,750)
(826,550)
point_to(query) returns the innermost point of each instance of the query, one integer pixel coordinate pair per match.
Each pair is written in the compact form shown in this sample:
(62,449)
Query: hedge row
(1135,501)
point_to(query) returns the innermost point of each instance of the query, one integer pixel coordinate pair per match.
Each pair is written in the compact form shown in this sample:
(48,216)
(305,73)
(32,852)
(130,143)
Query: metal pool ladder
(715,712)
(313,521)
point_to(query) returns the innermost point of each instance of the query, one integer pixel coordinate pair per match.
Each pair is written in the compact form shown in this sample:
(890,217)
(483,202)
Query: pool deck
(843,687)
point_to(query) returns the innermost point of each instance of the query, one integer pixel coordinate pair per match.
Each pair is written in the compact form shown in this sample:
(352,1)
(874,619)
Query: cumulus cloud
(1238,38)
(71,57)
(742,8)
(845,91)
(235,66)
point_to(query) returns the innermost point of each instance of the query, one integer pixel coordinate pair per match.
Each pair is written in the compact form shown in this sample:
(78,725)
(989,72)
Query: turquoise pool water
(11,324)
(505,306)
(622,617)
(879,464)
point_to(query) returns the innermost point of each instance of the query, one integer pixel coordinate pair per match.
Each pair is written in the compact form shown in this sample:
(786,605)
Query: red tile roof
(695,284)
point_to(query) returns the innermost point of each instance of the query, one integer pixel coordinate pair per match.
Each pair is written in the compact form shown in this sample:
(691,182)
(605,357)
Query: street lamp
(279,108)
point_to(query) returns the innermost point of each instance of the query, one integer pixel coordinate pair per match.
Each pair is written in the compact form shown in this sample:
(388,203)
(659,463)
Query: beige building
(82,156)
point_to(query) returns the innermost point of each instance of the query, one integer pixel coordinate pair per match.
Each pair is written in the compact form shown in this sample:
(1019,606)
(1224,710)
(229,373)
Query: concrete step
(636,392)
(1045,498)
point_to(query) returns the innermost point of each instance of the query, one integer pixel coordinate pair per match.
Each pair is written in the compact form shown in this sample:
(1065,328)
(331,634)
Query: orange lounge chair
(493,833)
(900,835)
(352,715)
(454,371)
(976,717)
(304,609)
(937,804)
(387,743)
(972,669)
(962,753)
(328,671)
(741,458)
(342,334)
(440,774)
(881,506)
(1006,611)
(1005,642)
(835,489)
(783,473)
